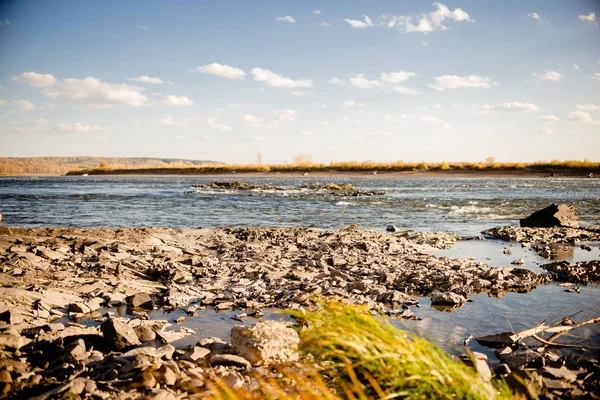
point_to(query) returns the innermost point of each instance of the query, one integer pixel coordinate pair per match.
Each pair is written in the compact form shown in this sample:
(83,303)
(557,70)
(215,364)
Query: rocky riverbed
(52,278)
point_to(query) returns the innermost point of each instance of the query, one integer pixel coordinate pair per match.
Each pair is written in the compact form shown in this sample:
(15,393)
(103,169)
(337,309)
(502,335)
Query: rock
(11,317)
(144,333)
(497,340)
(160,395)
(165,376)
(196,354)
(144,379)
(13,341)
(115,298)
(78,308)
(149,352)
(229,360)
(553,215)
(119,335)
(140,300)
(392,228)
(266,343)
(5,376)
(519,261)
(447,298)
(482,366)
(502,369)
(75,351)
(194,385)
(522,359)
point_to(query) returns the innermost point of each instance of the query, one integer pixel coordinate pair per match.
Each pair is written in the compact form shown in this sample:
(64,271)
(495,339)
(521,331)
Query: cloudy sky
(458,80)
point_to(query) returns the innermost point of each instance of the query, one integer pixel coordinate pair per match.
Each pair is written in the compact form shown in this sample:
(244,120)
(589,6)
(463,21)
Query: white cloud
(170,122)
(301,94)
(325,24)
(2,102)
(591,17)
(336,81)
(546,131)
(258,138)
(95,93)
(582,118)
(77,127)
(144,28)
(360,81)
(214,125)
(427,22)
(596,76)
(588,107)
(224,71)
(305,133)
(435,120)
(396,77)
(34,122)
(458,82)
(576,67)
(348,104)
(316,12)
(287,18)
(24,105)
(405,90)
(286,115)
(549,76)
(534,16)
(514,106)
(272,79)
(395,118)
(178,101)
(35,79)
(147,79)
(360,24)
(550,119)
(253,122)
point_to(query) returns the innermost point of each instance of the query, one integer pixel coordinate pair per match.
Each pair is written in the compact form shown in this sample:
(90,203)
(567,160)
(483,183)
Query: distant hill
(61,165)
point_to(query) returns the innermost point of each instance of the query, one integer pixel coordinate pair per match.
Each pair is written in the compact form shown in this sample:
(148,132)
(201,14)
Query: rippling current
(462,205)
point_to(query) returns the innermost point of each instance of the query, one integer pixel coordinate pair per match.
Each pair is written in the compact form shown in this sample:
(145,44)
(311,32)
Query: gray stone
(75,351)
(11,317)
(115,298)
(165,352)
(266,343)
(196,354)
(502,369)
(144,333)
(118,334)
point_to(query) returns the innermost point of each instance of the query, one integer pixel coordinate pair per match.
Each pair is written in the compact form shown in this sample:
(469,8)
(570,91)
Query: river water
(465,206)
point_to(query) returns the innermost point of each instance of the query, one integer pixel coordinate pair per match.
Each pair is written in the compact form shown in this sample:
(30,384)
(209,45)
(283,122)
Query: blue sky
(353,80)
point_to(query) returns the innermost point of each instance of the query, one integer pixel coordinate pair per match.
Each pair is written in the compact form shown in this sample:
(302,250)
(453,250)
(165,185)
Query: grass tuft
(361,356)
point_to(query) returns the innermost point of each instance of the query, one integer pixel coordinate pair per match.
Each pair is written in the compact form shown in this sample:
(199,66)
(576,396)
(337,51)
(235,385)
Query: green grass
(361,356)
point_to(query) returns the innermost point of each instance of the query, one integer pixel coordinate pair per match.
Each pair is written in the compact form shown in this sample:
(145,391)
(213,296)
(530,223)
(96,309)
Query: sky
(358,80)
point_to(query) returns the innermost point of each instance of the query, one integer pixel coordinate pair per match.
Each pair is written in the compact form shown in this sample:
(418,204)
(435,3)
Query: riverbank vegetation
(570,167)
(62,165)
(358,355)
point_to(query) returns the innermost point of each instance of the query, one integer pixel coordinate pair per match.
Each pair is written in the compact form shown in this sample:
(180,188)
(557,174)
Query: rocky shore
(54,278)
(342,190)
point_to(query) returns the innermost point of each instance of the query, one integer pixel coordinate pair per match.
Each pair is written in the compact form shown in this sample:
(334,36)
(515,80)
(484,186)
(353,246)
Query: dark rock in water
(580,272)
(522,359)
(118,334)
(553,215)
(391,228)
(502,369)
(140,300)
(498,340)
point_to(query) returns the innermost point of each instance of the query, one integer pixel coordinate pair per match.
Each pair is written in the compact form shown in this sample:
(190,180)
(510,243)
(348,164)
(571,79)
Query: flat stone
(11,317)
(165,352)
(140,300)
(229,360)
(165,376)
(196,354)
(11,341)
(447,298)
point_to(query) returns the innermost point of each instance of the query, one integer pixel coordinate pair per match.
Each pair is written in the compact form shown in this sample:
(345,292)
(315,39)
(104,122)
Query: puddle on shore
(491,252)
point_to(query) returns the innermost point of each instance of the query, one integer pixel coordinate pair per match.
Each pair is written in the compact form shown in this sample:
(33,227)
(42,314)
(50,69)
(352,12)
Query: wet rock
(580,272)
(518,261)
(447,298)
(266,343)
(553,215)
(229,360)
(140,300)
(391,228)
(119,335)
(497,340)
(543,235)
(522,359)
